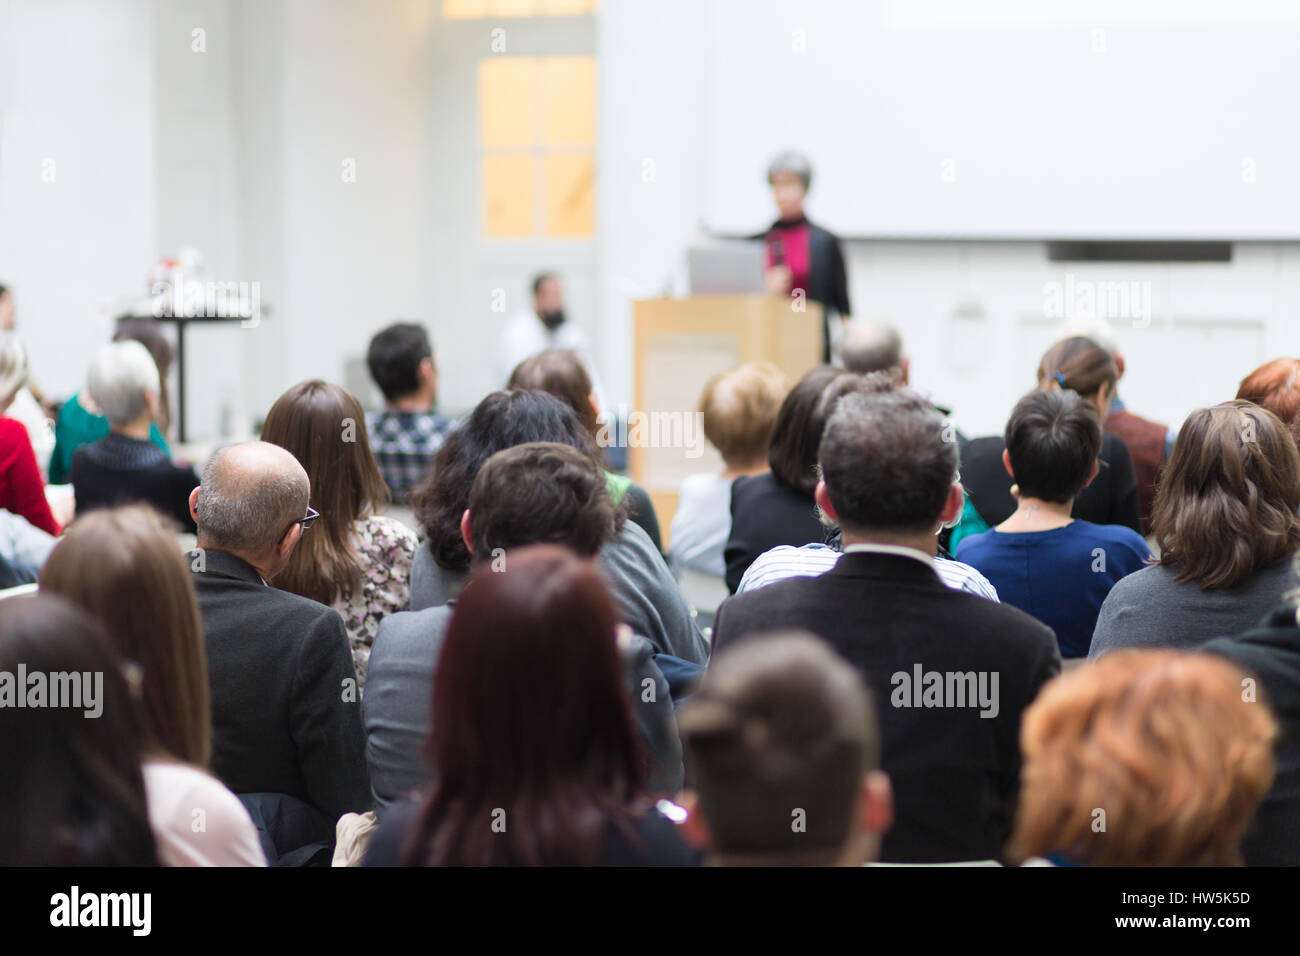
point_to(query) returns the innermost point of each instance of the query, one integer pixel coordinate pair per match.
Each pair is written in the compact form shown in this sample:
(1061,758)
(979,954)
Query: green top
(617,485)
(77,427)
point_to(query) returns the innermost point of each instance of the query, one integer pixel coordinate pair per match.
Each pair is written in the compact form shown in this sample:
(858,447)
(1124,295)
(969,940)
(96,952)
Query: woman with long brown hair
(537,755)
(1226,528)
(356,559)
(124,567)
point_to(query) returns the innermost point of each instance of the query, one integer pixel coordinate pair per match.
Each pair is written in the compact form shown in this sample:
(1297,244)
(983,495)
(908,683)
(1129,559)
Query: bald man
(285,705)
(873,346)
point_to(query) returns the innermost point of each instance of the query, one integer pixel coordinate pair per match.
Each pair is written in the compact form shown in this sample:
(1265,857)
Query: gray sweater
(647,594)
(1150,609)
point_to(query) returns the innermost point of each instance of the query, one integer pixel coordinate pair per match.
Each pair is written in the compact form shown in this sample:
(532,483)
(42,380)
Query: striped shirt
(811,560)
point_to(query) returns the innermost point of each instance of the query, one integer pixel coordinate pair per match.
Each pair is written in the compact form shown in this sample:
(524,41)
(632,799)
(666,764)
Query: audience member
(356,560)
(776,507)
(874,346)
(1275,385)
(285,714)
(125,466)
(1079,365)
(22,491)
(957,670)
(537,757)
(1226,529)
(560,372)
(739,410)
(123,567)
(1270,653)
(408,432)
(1144,758)
(1041,560)
(1149,443)
(535,493)
(782,732)
(80,422)
(72,792)
(648,597)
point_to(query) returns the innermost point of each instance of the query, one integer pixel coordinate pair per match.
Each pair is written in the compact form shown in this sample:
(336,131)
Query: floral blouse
(386,548)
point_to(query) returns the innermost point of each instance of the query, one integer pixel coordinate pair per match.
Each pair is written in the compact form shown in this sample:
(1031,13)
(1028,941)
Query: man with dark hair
(285,714)
(1042,560)
(955,669)
(535,493)
(408,432)
(542,326)
(784,750)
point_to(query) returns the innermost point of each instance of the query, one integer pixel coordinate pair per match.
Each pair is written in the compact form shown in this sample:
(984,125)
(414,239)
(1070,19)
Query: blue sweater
(1060,576)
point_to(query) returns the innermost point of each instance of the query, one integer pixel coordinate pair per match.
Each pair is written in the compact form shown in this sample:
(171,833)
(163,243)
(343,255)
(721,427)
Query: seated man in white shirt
(545,326)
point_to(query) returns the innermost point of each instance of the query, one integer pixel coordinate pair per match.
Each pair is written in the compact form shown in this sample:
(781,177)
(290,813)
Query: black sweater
(120,470)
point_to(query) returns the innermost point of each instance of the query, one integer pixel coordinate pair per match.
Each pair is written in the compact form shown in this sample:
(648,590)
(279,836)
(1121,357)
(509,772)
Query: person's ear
(823,499)
(194,504)
(694,829)
(1092,475)
(876,803)
(1119,364)
(465,531)
(953,506)
(1006,462)
(904,370)
(288,541)
(595,406)
(151,402)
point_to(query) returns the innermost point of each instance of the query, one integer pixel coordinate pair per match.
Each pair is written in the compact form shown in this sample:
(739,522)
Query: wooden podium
(678,345)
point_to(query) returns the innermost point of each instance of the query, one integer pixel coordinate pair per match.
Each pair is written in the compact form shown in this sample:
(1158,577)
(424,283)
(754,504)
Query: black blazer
(119,470)
(766,513)
(1271,652)
(1112,498)
(284,720)
(955,774)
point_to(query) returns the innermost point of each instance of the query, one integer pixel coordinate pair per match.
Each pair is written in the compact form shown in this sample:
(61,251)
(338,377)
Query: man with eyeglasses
(286,724)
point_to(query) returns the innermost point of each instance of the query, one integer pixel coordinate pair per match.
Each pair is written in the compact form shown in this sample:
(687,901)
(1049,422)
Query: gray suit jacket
(396,708)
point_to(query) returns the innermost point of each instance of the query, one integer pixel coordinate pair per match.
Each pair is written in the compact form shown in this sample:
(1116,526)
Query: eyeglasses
(307,519)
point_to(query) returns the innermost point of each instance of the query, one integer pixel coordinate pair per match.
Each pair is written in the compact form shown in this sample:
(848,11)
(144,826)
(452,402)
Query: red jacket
(1146,443)
(21,489)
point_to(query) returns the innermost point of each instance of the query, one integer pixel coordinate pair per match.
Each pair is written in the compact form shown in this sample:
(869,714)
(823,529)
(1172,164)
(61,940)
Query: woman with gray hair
(125,466)
(22,491)
(804,260)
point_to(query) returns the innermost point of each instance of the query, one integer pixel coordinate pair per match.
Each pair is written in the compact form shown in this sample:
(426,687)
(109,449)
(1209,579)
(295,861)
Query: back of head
(123,566)
(72,790)
(148,332)
(249,496)
(1275,385)
(1078,364)
(1096,329)
(501,420)
(323,426)
(540,492)
(558,372)
(1227,499)
(739,409)
(530,717)
(121,374)
(779,723)
(802,418)
(889,461)
(872,346)
(1053,439)
(13,367)
(394,358)
(1143,758)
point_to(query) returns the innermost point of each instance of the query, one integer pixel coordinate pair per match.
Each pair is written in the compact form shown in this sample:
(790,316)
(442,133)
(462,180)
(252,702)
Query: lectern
(678,345)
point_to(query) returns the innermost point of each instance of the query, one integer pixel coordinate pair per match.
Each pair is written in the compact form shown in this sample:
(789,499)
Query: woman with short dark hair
(1226,528)
(537,756)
